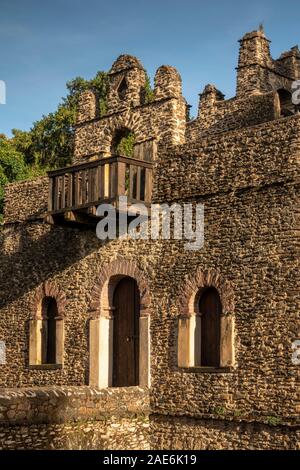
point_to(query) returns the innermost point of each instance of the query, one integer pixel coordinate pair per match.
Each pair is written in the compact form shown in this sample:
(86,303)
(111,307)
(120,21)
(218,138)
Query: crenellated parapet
(87,106)
(167,83)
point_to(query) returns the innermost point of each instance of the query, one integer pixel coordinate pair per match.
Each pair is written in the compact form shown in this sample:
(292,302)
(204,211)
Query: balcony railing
(83,187)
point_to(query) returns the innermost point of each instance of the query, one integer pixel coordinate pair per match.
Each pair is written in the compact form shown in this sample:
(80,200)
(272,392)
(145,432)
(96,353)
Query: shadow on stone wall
(29,256)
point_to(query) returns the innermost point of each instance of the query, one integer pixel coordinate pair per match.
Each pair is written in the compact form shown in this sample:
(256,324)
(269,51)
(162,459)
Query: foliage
(50,141)
(220,410)
(273,420)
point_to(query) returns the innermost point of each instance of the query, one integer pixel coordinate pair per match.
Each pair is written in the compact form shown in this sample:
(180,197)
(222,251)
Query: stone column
(189,341)
(227,341)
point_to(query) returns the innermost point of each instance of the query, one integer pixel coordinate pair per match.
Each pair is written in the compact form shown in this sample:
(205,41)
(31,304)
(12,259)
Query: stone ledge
(207,370)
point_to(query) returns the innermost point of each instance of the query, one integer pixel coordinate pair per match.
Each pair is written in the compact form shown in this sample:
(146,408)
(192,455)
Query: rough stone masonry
(240,158)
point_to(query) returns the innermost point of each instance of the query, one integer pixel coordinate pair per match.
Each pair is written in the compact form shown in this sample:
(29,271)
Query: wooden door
(211,309)
(126,334)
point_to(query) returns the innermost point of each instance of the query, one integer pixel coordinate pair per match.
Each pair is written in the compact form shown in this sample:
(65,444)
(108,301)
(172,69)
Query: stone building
(135,343)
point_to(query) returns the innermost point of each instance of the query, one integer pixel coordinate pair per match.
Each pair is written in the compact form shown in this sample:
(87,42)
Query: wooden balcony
(76,191)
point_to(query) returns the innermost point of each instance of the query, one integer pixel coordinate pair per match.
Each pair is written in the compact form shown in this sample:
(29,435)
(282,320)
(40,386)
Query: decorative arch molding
(111,274)
(102,323)
(190,321)
(195,284)
(48,289)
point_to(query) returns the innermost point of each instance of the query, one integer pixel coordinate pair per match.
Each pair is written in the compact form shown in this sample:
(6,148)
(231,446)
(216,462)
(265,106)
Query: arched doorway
(210,309)
(126,302)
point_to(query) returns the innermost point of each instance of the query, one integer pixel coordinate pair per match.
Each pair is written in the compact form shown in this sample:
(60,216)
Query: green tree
(126,145)
(148,91)
(12,166)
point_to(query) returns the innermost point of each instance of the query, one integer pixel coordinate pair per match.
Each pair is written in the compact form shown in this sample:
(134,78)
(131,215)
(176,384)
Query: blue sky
(45,43)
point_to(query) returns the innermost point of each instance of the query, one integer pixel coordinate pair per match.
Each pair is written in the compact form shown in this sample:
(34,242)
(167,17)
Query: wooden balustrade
(104,180)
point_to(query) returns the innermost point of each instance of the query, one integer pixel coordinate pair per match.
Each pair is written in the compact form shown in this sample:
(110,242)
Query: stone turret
(208,98)
(258,73)
(127,79)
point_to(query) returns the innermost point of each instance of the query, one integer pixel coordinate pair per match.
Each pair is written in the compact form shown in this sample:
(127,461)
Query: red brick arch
(193,286)
(102,293)
(48,289)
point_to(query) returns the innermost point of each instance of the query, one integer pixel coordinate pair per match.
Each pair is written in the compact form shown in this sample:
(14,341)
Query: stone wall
(69,261)
(26,200)
(248,180)
(163,120)
(251,157)
(74,418)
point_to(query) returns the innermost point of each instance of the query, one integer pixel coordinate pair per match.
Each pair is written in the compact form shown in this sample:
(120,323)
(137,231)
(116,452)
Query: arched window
(49,315)
(287,108)
(210,310)
(123,142)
